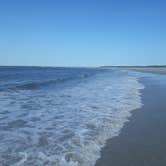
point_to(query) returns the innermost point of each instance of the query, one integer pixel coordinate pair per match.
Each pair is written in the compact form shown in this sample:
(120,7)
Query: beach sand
(142,141)
(155,70)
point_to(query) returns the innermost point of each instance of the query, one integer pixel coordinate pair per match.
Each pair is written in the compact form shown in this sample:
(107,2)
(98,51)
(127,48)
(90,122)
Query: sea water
(62,116)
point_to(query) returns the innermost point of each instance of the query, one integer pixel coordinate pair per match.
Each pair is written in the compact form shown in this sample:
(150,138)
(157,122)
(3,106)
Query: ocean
(62,116)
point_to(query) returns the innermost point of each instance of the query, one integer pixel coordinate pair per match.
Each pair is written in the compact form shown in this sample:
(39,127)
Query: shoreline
(142,140)
(158,70)
(153,70)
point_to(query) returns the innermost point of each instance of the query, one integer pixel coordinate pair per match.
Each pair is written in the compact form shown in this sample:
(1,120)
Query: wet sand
(142,141)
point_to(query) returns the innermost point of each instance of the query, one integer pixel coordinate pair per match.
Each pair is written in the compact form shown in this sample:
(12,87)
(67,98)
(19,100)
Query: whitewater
(63,117)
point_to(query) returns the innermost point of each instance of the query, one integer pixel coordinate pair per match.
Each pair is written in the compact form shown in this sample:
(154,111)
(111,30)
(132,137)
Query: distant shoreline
(156,69)
(145,69)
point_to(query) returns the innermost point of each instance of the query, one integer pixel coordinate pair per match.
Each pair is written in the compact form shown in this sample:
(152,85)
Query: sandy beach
(146,69)
(155,70)
(142,141)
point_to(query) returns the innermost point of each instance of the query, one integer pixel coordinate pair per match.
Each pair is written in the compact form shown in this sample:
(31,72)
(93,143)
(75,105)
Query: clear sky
(82,32)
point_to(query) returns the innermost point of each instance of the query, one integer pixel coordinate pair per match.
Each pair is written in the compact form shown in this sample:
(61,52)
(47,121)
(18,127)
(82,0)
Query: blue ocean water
(62,116)
(31,78)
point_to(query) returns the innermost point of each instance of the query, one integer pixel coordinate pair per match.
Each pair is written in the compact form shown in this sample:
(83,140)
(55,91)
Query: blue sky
(82,32)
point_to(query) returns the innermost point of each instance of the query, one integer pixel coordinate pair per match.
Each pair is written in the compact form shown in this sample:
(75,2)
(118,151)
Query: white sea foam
(66,127)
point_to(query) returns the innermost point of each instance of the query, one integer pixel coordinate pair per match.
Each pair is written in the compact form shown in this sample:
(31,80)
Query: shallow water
(62,116)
